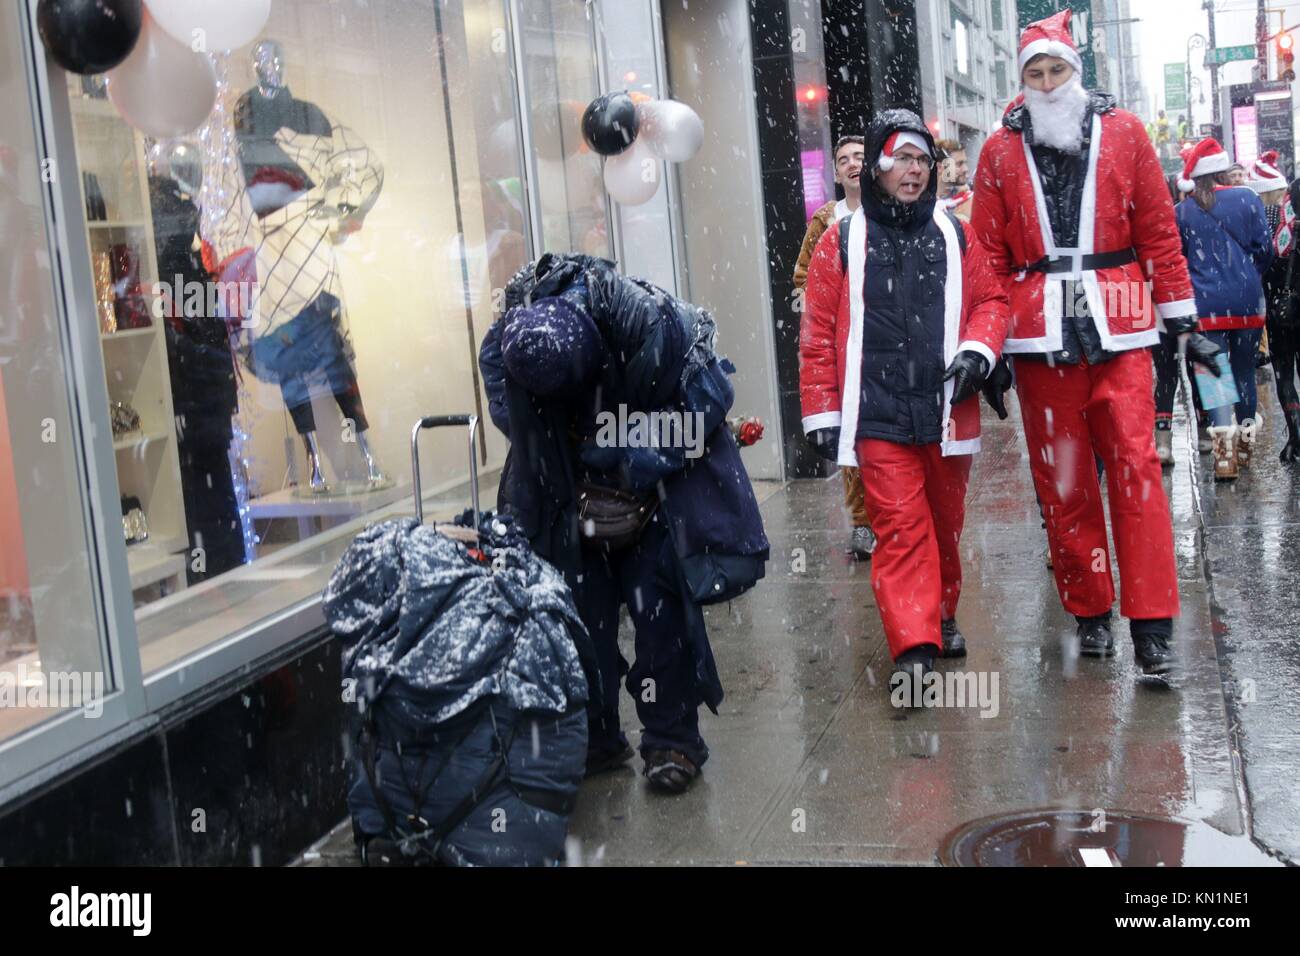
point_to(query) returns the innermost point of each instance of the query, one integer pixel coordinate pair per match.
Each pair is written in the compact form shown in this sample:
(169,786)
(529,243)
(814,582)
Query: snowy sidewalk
(810,763)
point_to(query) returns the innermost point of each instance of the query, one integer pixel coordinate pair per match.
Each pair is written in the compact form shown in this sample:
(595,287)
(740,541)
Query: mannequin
(204,393)
(308,184)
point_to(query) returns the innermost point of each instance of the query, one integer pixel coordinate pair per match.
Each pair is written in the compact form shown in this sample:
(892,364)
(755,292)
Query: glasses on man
(904,161)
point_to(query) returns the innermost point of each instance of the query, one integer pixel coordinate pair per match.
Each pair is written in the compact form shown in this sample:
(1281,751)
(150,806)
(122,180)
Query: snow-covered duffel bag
(462,653)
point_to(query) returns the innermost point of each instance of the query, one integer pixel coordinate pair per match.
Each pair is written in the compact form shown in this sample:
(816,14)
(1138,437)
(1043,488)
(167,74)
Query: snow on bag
(470,735)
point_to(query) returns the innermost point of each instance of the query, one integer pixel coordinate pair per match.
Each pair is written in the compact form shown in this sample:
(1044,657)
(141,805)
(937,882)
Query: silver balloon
(632,177)
(672,129)
(163,88)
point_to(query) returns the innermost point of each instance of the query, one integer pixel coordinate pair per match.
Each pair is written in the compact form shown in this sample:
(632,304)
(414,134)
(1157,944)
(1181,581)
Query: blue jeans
(1240,346)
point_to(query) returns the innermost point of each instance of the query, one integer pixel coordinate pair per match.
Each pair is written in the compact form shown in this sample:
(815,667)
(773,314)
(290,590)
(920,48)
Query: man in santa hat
(903,320)
(1071,203)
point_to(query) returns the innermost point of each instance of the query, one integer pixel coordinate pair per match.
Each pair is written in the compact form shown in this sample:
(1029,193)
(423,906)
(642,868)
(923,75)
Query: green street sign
(1226,54)
(1175,86)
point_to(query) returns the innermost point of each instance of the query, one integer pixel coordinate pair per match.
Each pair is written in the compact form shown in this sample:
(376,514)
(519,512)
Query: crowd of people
(1074,272)
(1066,267)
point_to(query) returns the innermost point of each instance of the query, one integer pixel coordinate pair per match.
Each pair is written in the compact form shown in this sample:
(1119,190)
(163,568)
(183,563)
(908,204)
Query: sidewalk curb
(1218,626)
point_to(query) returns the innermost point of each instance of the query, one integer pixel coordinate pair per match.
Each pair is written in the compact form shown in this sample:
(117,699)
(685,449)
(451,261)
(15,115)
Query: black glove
(996,386)
(1204,353)
(970,369)
(826,442)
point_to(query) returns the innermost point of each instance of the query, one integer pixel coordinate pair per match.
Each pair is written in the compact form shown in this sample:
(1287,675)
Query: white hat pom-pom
(1185,185)
(886,163)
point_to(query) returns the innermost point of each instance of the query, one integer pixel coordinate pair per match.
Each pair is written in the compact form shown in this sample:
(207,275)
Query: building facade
(969,66)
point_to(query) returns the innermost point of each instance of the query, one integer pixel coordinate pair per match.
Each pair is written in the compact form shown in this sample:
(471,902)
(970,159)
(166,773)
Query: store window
(815,159)
(630,51)
(281,293)
(52,653)
(560,79)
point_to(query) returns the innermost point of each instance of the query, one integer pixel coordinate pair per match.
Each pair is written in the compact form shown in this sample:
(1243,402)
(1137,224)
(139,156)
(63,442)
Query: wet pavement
(1252,554)
(811,764)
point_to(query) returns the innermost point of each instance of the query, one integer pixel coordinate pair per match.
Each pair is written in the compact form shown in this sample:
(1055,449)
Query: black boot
(1291,451)
(1151,644)
(1095,639)
(954,644)
(911,667)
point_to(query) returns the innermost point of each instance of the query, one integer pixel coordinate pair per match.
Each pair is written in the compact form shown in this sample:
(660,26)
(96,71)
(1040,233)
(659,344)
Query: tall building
(969,47)
(1117,54)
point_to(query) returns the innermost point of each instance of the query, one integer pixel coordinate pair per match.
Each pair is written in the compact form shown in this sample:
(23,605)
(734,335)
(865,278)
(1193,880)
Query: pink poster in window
(812,162)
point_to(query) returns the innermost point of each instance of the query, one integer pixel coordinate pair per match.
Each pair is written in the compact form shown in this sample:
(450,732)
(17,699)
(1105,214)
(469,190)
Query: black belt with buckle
(1095,260)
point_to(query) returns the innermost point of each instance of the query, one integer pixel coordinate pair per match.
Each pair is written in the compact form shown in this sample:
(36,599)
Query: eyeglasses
(904,161)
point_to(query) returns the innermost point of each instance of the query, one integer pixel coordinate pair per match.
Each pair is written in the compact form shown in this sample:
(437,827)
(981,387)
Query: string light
(224,234)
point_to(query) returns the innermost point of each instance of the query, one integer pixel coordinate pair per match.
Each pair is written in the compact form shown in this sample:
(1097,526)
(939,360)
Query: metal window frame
(24,755)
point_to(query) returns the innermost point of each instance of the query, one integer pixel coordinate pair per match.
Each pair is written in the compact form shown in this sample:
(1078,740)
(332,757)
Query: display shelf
(147,332)
(135,368)
(119,224)
(92,106)
(136,439)
(150,564)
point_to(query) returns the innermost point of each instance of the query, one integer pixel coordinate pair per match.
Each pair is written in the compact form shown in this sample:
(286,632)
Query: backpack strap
(844,243)
(961,233)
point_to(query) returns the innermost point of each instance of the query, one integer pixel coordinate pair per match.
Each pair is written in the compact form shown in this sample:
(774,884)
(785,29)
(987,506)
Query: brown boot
(1247,433)
(1224,441)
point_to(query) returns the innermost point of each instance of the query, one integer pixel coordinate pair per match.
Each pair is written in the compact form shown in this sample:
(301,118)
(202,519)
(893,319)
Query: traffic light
(1286,57)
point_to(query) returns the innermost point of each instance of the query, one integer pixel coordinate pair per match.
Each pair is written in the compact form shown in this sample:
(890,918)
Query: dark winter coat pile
(458,660)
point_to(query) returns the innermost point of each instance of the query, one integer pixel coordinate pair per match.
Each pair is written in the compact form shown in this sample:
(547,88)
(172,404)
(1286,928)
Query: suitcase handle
(443,421)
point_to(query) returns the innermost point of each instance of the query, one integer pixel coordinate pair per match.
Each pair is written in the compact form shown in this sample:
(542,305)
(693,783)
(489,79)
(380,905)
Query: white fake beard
(1057,117)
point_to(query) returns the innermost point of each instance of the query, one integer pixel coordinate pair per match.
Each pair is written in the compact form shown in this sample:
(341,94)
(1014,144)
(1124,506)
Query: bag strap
(844,243)
(961,233)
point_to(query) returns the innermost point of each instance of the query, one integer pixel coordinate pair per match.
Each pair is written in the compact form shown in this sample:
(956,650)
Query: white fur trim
(821,420)
(1214,163)
(952,299)
(1052,289)
(1050,48)
(1177,310)
(906,137)
(851,394)
(971,345)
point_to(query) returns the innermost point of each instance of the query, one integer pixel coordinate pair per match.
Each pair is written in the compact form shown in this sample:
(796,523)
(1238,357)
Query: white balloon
(672,129)
(632,177)
(207,26)
(163,88)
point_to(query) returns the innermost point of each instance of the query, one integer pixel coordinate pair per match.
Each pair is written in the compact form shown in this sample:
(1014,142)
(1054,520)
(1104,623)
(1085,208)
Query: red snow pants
(916,500)
(1070,412)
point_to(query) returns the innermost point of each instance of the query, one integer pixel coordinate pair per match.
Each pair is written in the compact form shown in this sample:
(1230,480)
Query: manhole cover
(1067,838)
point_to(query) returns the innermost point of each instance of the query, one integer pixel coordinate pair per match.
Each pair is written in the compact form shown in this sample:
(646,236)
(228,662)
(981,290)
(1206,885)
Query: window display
(281,291)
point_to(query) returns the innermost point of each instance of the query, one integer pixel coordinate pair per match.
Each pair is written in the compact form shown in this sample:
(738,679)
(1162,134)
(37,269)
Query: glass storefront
(52,649)
(270,301)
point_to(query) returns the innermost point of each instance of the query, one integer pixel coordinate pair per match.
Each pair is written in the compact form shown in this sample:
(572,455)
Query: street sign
(1175,86)
(1227,54)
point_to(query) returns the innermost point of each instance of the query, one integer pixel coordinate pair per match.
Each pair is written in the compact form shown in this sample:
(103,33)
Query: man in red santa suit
(1071,203)
(903,321)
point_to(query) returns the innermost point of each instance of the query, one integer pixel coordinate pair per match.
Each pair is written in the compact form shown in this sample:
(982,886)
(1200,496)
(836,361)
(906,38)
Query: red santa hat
(1049,36)
(1204,158)
(896,140)
(1264,175)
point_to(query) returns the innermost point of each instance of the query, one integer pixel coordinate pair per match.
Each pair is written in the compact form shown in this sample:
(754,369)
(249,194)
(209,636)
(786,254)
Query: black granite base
(249,778)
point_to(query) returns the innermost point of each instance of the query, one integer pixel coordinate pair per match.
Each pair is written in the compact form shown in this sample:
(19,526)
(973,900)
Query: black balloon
(89,36)
(610,123)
